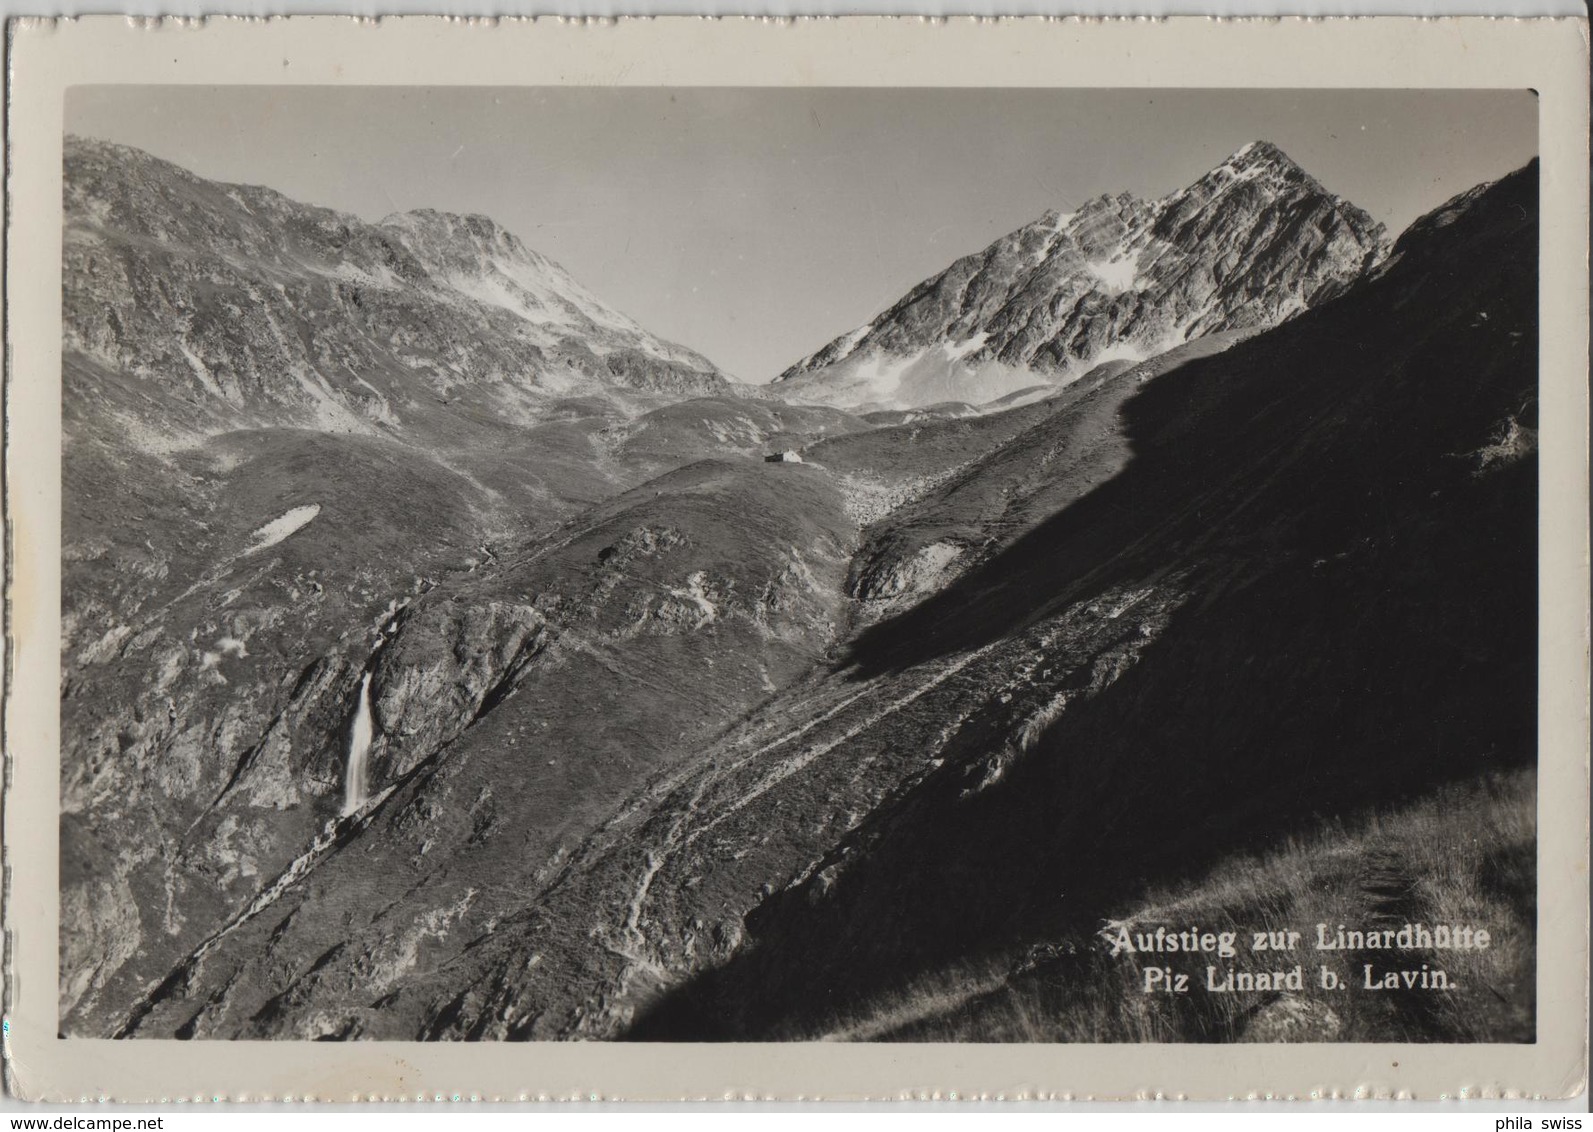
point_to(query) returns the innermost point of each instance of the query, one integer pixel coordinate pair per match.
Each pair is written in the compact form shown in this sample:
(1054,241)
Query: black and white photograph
(655,561)
(701,564)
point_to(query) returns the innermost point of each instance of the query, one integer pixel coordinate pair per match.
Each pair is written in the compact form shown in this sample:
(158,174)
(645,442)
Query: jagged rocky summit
(1249,244)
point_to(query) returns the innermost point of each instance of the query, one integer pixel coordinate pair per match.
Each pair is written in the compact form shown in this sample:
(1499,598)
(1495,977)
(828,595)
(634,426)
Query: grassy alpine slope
(1383,867)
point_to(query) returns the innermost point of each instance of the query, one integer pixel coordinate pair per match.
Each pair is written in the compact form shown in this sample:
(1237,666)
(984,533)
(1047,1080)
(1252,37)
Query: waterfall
(359,746)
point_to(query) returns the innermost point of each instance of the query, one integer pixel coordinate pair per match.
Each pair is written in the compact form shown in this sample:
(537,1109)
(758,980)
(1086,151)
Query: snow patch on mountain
(201,371)
(956,351)
(281,527)
(1116,274)
(875,379)
(1125,352)
(488,264)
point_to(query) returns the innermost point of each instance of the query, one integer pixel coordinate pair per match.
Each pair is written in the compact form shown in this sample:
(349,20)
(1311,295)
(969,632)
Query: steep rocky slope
(1310,592)
(1252,242)
(508,712)
(282,427)
(1195,605)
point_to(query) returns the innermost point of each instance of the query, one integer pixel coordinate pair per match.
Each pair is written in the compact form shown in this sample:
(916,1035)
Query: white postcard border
(1547,55)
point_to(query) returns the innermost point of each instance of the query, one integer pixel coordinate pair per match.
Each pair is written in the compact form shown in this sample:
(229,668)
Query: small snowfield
(280,528)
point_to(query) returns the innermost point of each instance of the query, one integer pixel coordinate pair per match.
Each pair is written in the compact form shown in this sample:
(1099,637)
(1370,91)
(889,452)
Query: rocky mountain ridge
(243,308)
(1246,246)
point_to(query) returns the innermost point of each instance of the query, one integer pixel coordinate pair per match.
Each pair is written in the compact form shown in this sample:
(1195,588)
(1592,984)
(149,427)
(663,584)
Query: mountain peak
(1260,160)
(1260,152)
(301,316)
(1250,243)
(429,229)
(483,227)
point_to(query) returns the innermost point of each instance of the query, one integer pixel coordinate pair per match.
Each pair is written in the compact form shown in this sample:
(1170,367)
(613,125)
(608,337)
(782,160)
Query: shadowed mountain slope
(1309,591)
(1322,551)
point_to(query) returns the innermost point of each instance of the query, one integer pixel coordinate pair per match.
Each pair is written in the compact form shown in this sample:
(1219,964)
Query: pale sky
(754,225)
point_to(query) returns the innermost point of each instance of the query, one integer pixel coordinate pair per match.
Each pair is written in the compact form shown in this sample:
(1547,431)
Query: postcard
(850,558)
